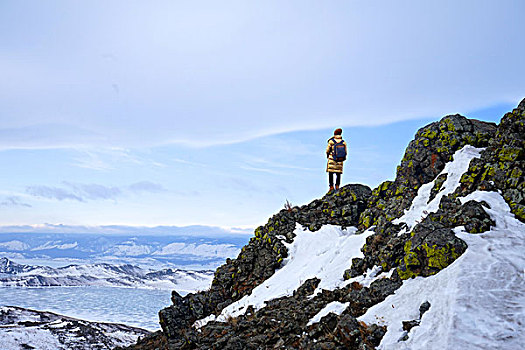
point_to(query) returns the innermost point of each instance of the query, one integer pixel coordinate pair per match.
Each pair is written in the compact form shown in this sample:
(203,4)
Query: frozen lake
(131,306)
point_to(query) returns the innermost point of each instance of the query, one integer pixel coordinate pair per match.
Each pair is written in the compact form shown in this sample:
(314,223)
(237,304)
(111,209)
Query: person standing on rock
(336,154)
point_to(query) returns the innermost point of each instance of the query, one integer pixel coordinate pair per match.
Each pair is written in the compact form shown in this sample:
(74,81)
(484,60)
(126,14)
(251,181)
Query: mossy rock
(426,253)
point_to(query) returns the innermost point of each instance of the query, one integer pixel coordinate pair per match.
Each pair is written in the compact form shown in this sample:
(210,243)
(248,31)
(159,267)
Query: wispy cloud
(146,186)
(14,201)
(86,192)
(91,160)
(249,187)
(52,192)
(273,164)
(106,158)
(187,162)
(93,191)
(263,170)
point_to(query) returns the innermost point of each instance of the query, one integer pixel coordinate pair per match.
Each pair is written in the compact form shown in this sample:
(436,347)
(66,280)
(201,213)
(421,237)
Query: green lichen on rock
(433,252)
(439,257)
(508,153)
(365,221)
(429,133)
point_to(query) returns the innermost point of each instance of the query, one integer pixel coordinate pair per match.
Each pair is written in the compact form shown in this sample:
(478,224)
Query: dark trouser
(337,179)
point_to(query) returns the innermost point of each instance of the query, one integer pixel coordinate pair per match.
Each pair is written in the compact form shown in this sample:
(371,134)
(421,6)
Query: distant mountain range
(196,249)
(13,274)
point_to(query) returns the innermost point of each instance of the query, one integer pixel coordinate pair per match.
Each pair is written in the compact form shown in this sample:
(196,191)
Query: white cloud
(108,158)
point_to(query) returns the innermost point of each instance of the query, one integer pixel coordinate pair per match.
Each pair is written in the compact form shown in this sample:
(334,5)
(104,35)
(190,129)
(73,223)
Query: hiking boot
(331,189)
(336,188)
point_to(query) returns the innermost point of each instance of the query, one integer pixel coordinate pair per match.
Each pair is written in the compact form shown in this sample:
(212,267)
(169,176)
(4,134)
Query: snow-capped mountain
(148,248)
(22,329)
(431,260)
(17,275)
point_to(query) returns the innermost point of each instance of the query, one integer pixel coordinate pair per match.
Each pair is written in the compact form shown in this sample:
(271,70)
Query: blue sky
(215,113)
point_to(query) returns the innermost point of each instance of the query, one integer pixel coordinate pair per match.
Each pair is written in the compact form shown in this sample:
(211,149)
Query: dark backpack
(338,151)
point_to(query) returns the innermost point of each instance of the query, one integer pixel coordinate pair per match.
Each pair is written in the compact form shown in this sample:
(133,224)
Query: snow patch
(14,338)
(334,307)
(370,276)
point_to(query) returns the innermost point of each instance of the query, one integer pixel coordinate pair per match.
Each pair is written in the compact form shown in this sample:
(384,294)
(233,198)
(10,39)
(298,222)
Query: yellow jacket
(333,166)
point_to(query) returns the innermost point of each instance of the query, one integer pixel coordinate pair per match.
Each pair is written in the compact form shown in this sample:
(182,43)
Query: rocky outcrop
(260,258)
(502,165)
(422,250)
(424,159)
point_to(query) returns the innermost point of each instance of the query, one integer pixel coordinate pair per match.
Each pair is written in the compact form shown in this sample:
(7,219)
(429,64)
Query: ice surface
(420,207)
(133,307)
(324,254)
(476,303)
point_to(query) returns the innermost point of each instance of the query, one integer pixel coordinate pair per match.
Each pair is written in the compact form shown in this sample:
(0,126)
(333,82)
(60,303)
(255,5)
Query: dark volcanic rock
(425,157)
(261,257)
(283,320)
(343,208)
(502,164)
(423,308)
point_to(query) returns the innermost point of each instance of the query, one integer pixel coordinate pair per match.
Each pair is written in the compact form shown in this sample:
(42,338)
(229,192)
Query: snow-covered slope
(16,275)
(476,303)
(29,329)
(323,254)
